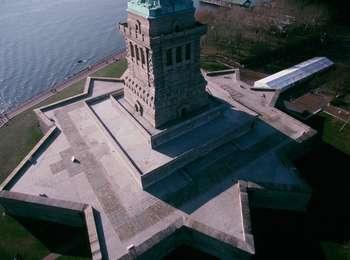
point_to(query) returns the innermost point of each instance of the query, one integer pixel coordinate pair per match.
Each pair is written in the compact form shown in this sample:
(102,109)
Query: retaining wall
(52,210)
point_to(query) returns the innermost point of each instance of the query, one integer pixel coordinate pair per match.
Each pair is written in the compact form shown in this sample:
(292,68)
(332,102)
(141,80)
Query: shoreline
(6,116)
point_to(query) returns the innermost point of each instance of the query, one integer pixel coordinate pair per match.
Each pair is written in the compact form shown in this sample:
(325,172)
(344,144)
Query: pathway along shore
(8,115)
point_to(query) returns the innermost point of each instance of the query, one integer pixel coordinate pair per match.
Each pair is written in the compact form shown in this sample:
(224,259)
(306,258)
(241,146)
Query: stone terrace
(203,196)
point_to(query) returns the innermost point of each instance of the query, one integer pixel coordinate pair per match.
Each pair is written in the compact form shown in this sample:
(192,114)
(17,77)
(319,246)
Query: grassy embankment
(336,134)
(17,139)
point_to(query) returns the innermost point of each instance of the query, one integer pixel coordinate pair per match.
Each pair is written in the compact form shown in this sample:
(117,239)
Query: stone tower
(163,82)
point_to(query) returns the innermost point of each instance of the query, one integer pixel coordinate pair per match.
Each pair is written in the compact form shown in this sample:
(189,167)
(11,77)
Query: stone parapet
(43,208)
(29,159)
(157,137)
(94,242)
(46,124)
(191,155)
(52,210)
(278,196)
(187,125)
(132,166)
(242,191)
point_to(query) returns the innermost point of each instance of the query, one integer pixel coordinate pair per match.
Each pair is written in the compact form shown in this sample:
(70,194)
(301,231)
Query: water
(42,42)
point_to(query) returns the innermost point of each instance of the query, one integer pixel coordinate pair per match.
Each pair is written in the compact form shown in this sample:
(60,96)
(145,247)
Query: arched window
(138,108)
(138,26)
(132,52)
(176,26)
(183,112)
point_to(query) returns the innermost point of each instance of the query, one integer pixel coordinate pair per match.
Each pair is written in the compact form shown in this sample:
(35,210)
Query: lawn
(335,251)
(23,132)
(335,134)
(15,239)
(209,64)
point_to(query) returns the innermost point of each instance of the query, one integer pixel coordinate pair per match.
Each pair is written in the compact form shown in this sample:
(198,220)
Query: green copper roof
(155,8)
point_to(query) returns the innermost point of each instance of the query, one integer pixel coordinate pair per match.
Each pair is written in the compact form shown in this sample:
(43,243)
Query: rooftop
(287,78)
(155,8)
(245,3)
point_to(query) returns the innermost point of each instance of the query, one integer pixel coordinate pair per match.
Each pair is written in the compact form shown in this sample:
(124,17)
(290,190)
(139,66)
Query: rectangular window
(179,54)
(169,57)
(142,56)
(147,57)
(132,50)
(137,53)
(188,51)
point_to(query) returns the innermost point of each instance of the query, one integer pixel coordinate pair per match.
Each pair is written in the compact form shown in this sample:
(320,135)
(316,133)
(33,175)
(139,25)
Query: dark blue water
(41,42)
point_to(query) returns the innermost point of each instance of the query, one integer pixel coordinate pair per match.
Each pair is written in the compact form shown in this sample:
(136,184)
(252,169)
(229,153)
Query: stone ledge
(158,137)
(54,210)
(136,172)
(278,196)
(46,123)
(141,126)
(189,156)
(44,201)
(28,160)
(43,208)
(146,245)
(221,72)
(95,247)
(187,125)
(246,216)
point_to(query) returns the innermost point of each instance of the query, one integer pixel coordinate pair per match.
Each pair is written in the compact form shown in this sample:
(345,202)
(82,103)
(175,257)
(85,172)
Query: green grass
(23,132)
(333,135)
(211,65)
(15,239)
(335,251)
(114,70)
